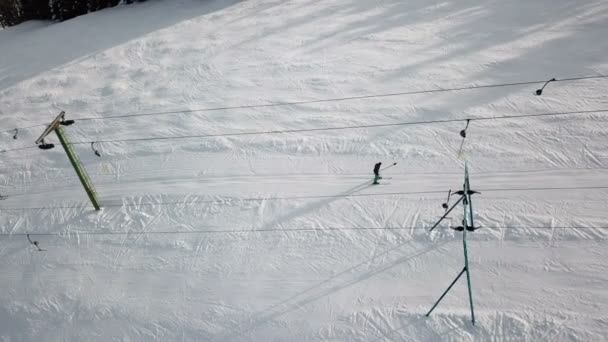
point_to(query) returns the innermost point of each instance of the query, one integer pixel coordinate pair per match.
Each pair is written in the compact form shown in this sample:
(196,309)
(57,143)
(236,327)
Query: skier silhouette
(377,173)
(35,243)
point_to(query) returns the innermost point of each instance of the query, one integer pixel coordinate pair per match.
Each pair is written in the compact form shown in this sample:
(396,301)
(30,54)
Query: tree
(10,12)
(13,12)
(35,10)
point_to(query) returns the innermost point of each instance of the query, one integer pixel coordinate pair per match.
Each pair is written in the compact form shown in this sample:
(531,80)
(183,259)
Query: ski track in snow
(235,284)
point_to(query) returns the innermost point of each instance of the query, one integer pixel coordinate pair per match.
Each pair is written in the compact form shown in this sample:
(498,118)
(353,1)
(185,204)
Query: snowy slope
(326,284)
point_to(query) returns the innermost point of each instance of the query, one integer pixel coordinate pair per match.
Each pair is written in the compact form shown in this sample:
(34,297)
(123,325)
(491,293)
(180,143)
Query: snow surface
(324,285)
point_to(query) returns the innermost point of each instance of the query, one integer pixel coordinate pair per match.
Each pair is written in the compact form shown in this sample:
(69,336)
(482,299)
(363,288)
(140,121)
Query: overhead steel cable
(19,149)
(406,123)
(268,230)
(349,98)
(228,199)
(253,199)
(335,99)
(336,128)
(20,128)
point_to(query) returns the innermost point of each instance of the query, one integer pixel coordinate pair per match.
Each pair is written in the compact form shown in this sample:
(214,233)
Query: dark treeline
(13,12)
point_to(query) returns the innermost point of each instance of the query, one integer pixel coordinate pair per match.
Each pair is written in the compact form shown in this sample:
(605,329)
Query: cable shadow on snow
(293,303)
(314,206)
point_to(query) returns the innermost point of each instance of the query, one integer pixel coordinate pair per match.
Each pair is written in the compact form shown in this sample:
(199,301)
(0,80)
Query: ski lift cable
(254,199)
(268,230)
(335,99)
(336,128)
(406,123)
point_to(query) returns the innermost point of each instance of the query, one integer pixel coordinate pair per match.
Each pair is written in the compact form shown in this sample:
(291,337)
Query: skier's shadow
(314,206)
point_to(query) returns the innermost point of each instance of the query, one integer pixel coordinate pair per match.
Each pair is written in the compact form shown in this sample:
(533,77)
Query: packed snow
(278,237)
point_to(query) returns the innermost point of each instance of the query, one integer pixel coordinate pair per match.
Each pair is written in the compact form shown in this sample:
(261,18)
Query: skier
(377,173)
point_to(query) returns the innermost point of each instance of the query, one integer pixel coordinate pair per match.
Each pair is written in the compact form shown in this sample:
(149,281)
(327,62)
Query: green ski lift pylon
(57,127)
(468,226)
